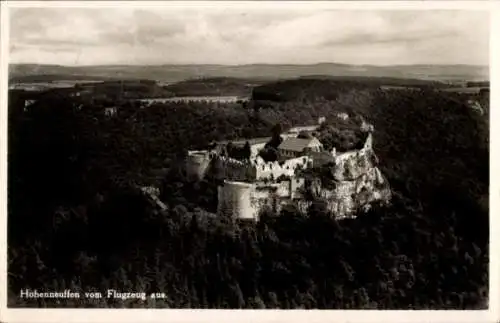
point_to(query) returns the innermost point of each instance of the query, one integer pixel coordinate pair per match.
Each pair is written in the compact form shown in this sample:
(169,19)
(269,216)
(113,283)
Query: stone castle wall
(357,183)
(198,162)
(256,148)
(247,200)
(233,169)
(250,186)
(257,169)
(287,168)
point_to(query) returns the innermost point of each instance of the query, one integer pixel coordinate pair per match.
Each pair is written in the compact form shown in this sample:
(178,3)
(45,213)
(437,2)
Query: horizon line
(251,64)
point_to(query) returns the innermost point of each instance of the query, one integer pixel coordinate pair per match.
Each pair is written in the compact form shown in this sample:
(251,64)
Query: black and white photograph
(226,156)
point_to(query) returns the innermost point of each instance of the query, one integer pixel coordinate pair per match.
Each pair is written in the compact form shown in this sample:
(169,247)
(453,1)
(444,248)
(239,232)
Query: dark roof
(296,144)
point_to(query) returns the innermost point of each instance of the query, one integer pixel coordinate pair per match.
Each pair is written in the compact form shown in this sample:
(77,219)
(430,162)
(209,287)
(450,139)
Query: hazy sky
(79,36)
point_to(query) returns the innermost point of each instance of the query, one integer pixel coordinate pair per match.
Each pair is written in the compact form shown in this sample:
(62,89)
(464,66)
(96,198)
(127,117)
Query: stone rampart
(273,170)
(256,169)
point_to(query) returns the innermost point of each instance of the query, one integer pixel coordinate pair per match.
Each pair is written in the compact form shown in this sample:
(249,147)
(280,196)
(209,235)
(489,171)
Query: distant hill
(176,73)
(323,87)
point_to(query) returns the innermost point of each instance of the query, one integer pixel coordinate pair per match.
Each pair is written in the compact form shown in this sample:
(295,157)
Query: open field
(464,89)
(176,73)
(224,99)
(41,86)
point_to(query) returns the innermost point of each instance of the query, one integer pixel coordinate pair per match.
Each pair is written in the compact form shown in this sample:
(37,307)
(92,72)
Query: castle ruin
(251,185)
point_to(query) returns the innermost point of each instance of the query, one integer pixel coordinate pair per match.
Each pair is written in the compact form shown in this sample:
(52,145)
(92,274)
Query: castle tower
(197,163)
(235,200)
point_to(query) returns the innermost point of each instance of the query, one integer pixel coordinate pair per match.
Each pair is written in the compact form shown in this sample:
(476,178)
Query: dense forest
(127,89)
(329,87)
(77,222)
(214,86)
(140,89)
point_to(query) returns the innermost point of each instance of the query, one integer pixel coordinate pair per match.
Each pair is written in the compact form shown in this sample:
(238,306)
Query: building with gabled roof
(295,147)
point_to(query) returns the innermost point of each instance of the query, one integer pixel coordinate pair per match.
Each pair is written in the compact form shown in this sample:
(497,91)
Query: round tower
(197,163)
(234,200)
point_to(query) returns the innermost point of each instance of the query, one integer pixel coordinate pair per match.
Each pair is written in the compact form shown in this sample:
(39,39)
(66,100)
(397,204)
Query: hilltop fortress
(251,184)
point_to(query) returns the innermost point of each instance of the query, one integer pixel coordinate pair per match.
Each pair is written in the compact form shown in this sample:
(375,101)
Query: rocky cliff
(349,183)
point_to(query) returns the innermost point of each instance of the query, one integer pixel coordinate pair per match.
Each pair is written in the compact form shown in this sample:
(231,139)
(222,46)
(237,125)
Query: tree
(236,299)
(257,302)
(230,149)
(318,210)
(269,154)
(272,300)
(247,152)
(276,138)
(276,130)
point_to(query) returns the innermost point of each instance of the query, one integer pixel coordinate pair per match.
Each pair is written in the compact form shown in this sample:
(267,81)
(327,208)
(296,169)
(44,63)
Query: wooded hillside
(76,222)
